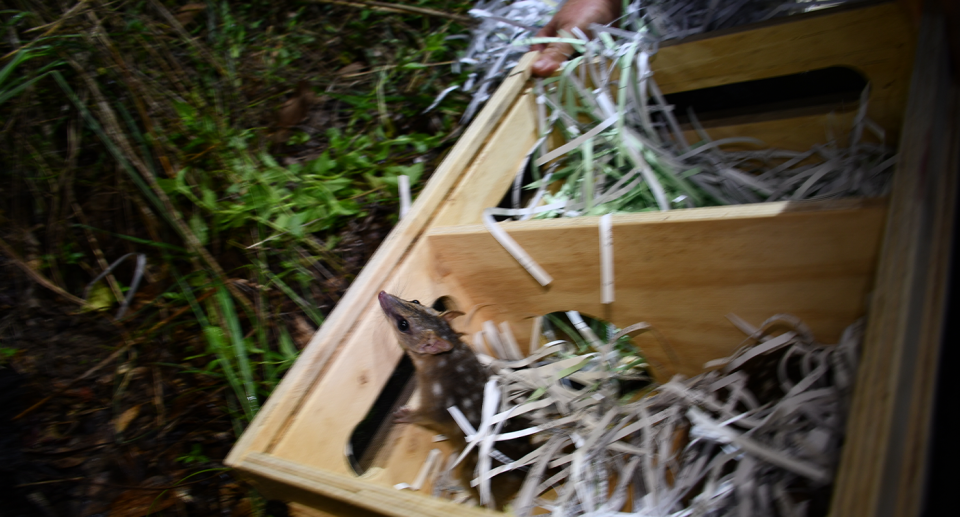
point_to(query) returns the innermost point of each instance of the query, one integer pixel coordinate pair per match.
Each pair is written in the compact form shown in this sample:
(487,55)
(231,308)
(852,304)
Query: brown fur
(448,374)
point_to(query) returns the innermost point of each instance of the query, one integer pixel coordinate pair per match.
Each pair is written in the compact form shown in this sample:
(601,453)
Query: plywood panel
(684,271)
(882,470)
(492,173)
(342,495)
(877,41)
(796,133)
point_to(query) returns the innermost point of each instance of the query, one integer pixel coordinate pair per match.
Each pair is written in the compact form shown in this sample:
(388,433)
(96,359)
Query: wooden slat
(793,133)
(488,179)
(877,41)
(882,470)
(683,271)
(288,480)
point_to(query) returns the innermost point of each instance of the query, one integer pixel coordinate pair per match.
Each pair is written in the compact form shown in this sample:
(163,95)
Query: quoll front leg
(407,415)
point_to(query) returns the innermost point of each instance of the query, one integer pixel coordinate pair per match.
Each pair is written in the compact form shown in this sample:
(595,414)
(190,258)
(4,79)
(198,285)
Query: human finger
(551,58)
(547,31)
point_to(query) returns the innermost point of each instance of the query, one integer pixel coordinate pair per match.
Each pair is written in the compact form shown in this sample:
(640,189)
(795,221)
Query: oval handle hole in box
(370,435)
(836,88)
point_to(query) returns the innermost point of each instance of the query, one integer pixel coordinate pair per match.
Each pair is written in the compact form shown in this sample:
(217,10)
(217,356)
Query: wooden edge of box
(282,404)
(336,494)
(781,20)
(710,213)
(882,472)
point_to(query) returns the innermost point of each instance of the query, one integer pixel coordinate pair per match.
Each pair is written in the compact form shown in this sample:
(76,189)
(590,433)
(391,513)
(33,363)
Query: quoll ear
(449,316)
(443,304)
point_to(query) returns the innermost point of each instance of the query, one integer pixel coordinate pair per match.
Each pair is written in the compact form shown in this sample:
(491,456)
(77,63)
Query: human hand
(574,13)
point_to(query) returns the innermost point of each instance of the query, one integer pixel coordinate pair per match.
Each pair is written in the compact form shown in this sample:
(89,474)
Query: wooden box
(682,271)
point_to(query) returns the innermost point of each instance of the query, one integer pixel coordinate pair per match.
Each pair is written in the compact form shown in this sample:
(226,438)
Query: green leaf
(209,199)
(21,56)
(187,112)
(287,348)
(337,184)
(322,164)
(199,228)
(295,225)
(573,369)
(411,171)
(101,298)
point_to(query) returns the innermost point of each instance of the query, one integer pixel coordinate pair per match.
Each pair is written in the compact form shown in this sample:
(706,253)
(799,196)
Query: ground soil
(95,421)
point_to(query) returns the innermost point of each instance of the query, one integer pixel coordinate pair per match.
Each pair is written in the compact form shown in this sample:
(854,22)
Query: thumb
(550,58)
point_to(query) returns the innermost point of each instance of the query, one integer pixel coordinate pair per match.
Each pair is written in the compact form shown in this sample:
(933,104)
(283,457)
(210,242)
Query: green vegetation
(248,151)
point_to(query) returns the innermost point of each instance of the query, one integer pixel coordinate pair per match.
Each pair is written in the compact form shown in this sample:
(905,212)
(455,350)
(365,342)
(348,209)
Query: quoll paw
(405,415)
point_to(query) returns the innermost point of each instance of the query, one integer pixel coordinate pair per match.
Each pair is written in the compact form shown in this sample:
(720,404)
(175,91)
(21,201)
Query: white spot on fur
(441,363)
(461,368)
(467,403)
(437,389)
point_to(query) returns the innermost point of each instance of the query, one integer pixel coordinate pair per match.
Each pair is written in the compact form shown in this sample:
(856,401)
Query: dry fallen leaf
(66,463)
(138,503)
(293,111)
(187,13)
(302,332)
(352,68)
(126,418)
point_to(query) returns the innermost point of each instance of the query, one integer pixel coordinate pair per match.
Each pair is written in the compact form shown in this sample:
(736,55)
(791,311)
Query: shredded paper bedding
(758,434)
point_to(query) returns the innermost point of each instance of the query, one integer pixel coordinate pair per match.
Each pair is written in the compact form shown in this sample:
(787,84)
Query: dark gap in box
(813,92)
(371,433)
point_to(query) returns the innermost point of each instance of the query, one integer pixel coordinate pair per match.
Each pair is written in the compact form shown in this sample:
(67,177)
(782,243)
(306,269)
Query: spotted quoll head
(419,328)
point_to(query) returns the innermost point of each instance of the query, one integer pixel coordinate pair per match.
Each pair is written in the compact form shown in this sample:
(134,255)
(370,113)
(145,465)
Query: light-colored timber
(876,41)
(682,271)
(882,471)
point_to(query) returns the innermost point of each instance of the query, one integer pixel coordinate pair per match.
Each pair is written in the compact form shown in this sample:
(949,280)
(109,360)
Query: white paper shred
(509,342)
(492,337)
(403,185)
(535,334)
(426,469)
(606,260)
(511,245)
(573,144)
(440,97)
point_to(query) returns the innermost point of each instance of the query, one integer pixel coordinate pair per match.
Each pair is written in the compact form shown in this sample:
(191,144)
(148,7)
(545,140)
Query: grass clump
(245,155)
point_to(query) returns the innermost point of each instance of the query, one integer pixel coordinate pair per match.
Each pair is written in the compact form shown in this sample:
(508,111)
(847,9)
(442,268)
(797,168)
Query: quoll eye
(416,302)
(403,325)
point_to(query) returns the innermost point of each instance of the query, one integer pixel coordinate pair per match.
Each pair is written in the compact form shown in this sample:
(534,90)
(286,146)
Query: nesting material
(493,46)
(625,150)
(501,36)
(758,434)
(617,146)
